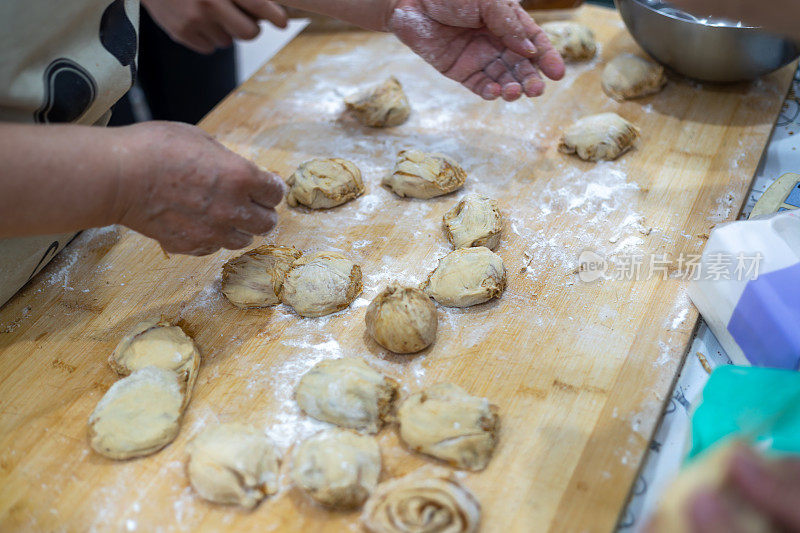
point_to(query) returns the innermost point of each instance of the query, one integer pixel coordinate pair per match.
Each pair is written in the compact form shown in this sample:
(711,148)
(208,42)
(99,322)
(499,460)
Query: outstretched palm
(492,47)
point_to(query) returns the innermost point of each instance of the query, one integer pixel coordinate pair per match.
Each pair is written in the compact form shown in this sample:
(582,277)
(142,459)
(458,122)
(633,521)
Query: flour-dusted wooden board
(579,371)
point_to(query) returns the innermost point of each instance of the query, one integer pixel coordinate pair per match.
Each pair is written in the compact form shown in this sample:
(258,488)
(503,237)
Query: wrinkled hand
(193,195)
(204,25)
(492,47)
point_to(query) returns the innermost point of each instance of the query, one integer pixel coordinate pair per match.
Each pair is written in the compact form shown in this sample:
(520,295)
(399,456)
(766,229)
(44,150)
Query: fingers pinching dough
(465,277)
(324,183)
(422,502)
(402,319)
(382,106)
(254,278)
(574,41)
(321,283)
(630,76)
(604,136)
(337,467)
(233,464)
(445,422)
(420,175)
(474,221)
(348,393)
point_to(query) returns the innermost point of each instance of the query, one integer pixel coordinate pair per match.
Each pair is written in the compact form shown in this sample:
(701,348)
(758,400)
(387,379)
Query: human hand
(190,193)
(204,25)
(492,47)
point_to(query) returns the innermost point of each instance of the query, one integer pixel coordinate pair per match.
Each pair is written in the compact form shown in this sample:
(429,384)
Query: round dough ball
(348,393)
(324,183)
(604,136)
(574,41)
(474,221)
(138,415)
(337,467)
(320,284)
(422,502)
(420,175)
(465,277)
(630,76)
(402,319)
(445,422)
(233,464)
(382,106)
(254,278)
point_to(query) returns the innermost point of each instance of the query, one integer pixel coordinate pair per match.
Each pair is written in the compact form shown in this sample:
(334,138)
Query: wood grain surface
(580,371)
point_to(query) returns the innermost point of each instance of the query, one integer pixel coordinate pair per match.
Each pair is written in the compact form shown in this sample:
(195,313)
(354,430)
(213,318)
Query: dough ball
(420,175)
(233,464)
(138,415)
(574,41)
(348,393)
(337,467)
(254,278)
(422,502)
(324,183)
(320,284)
(402,319)
(474,221)
(630,76)
(465,277)
(604,136)
(382,106)
(445,422)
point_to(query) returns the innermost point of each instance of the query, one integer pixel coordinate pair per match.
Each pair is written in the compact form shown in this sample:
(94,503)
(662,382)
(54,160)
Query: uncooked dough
(420,175)
(254,278)
(138,415)
(596,137)
(321,283)
(474,221)
(348,393)
(337,467)
(422,502)
(324,183)
(402,319)
(445,422)
(630,76)
(465,277)
(233,464)
(574,41)
(382,106)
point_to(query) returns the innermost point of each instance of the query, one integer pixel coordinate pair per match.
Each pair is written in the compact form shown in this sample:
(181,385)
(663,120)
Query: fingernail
(528,45)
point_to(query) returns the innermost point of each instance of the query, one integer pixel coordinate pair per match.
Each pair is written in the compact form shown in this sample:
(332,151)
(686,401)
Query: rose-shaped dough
(254,278)
(465,277)
(382,106)
(422,502)
(337,467)
(474,221)
(422,175)
(348,393)
(233,464)
(596,137)
(574,41)
(324,183)
(402,319)
(630,76)
(320,284)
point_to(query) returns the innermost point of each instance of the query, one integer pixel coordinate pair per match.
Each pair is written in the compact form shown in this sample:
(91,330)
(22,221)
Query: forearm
(59,178)
(369,14)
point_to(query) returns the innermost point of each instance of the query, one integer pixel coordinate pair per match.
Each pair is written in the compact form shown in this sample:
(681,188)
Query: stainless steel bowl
(707,50)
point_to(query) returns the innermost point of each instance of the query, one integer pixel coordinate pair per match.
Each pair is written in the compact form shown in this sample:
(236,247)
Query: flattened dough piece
(347,392)
(337,467)
(382,106)
(445,422)
(604,136)
(254,278)
(402,319)
(138,415)
(324,183)
(474,221)
(321,283)
(422,502)
(630,76)
(420,175)
(465,277)
(233,464)
(574,41)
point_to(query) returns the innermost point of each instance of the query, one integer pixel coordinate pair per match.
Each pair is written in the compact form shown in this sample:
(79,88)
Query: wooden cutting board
(580,371)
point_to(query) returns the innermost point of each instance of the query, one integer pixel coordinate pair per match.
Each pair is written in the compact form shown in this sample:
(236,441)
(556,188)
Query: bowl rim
(694,22)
